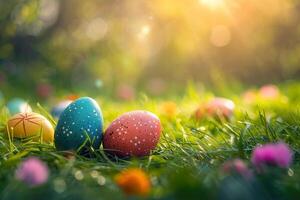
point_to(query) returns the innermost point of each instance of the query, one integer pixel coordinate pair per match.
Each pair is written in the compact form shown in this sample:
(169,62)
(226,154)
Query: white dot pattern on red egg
(134,133)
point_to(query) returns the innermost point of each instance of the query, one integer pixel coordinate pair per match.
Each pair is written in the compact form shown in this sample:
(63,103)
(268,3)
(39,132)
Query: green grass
(185,165)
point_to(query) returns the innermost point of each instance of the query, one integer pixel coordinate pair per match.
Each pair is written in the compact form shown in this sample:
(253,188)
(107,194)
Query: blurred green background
(154,46)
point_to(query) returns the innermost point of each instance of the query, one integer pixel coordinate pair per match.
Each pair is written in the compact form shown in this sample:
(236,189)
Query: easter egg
(220,106)
(59,108)
(134,133)
(18,106)
(81,121)
(217,107)
(24,125)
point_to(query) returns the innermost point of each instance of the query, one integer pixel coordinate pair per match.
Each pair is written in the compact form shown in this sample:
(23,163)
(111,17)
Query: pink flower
(32,171)
(44,90)
(269,91)
(278,154)
(126,92)
(236,166)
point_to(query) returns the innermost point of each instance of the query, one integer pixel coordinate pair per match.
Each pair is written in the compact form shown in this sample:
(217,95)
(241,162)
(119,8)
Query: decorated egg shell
(134,133)
(24,125)
(216,107)
(220,106)
(18,106)
(59,108)
(80,121)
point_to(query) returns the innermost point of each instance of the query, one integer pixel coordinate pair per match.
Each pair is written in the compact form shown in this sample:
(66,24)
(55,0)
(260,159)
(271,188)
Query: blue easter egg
(18,105)
(59,108)
(80,122)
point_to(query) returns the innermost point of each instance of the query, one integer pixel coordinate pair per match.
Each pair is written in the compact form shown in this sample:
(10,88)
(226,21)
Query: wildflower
(169,108)
(133,182)
(278,154)
(32,171)
(269,91)
(125,92)
(72,97)
(44,90)
(249,96)
(236,166)
(156,86)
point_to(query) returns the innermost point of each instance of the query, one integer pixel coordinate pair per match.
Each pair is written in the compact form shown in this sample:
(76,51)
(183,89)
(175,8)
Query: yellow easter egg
(24,125)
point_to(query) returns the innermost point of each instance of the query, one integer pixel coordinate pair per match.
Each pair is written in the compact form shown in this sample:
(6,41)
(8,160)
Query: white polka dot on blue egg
(82,120)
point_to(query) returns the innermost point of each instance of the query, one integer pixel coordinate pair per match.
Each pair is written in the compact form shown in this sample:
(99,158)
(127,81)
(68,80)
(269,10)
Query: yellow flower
(133,182)
(169,108)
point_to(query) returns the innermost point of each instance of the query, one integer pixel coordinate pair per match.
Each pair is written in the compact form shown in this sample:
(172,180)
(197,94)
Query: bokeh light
(96,29)
(220,36)
(72,44)
(34,23)
(144,32)
(213,4)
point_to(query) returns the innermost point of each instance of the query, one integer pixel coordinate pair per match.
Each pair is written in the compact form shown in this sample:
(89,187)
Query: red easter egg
(134,133)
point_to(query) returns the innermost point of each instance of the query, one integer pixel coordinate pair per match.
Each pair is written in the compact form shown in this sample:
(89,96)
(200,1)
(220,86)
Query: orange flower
(200,112)
(133,182)
(72,97)
(249,96)
(169,108)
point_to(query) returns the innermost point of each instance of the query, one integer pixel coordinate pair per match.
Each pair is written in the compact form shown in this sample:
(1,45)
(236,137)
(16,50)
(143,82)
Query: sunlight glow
(220,36)
(213,4)
(144,32)
(96,29)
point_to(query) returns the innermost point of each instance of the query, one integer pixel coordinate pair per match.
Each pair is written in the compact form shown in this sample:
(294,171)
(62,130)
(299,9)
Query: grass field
(188,160)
